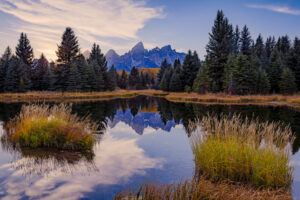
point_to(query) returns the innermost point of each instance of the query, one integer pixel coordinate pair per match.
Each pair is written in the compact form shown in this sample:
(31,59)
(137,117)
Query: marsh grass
(50,127)
(243,150)
(201,189)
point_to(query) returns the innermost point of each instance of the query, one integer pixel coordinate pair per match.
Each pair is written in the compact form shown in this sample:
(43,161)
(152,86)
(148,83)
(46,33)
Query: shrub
(243,150)
(51,127)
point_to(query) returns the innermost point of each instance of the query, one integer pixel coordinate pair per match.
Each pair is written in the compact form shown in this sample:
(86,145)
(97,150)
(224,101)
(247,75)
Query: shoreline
(292,101)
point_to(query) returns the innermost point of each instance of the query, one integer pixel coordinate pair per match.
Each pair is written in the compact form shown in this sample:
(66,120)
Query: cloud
(280,9)
(45,20)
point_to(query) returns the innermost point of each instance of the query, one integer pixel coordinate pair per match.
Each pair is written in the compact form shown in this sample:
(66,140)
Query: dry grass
(202,189)
(50,127)
(243,150)
(220,98)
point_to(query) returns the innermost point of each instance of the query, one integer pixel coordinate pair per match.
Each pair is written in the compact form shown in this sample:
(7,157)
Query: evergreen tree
(270,44)
(228,84)
(244,75)
(175,81)
(165,82)
(287,83)
(245,41)
(202,82)
(84,70)
(218,49)
(236,40)
(275,69)
(24,50)
(123,80)
(69,47)
(294,61)
(99,84)
(12,80)
(262,83)
(72,82)
(190,69)
(7,54)
(164,66)
(134,78)
(3,67)
(112,78)
(98,57)
(39,73)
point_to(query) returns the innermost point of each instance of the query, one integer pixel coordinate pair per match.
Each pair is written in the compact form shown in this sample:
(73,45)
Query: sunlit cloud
(280,9)
(45,20)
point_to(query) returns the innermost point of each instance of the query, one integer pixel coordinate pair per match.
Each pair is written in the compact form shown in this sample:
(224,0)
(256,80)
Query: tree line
(19,72)
(72,72)
(236,64)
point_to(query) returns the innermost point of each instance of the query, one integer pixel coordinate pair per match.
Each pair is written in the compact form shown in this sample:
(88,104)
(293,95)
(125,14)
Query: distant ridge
(138,56)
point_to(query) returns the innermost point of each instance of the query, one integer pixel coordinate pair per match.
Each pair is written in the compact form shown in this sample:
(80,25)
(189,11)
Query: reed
(50,127)
(202,189)
(243,150)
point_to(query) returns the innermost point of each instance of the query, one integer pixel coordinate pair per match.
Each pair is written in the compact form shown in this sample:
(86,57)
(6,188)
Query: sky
(120,24)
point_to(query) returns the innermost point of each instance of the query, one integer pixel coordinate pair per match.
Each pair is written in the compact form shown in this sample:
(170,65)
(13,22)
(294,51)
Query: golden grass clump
(202,189)
(243,150)
(51,127)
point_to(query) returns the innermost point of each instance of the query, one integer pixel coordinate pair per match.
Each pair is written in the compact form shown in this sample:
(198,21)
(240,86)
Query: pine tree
(175,81)
(12,80)
(112,78)
(236,40)
(202,82)
(69,47)
(244,75)
(39,73)
(134,78)
(270,44)
(275,69)
(287,83)
(228,85)
(7,54)
(99,81)
(123,81)
(245,41)
(164,66)
(24,50)
(3,67)
(294,61)
(190,67)
(218,49)
(262,83)
(72,82)
(98,57)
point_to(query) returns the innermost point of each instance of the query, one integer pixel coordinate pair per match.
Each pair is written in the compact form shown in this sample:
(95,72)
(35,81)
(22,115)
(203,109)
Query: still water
(143,139)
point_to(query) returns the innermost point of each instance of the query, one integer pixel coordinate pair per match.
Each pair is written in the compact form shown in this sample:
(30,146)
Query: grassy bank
(235,158)
(50,127)
(278,100)
(243,150)
(202,189)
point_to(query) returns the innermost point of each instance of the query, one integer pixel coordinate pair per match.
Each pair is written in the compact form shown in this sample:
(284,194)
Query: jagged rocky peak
(111,53)
(139,47)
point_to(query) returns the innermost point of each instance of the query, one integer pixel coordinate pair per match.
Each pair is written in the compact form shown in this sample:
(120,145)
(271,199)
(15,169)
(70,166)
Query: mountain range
(138,56)
(141,121)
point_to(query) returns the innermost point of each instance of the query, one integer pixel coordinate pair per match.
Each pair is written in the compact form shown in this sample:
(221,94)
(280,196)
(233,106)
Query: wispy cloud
(280,9)
(44,20)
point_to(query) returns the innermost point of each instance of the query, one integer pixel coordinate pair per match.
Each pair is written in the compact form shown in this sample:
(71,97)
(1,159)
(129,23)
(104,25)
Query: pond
(143,139)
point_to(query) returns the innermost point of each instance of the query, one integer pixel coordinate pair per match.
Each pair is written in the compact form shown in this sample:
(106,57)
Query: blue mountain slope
(138,56)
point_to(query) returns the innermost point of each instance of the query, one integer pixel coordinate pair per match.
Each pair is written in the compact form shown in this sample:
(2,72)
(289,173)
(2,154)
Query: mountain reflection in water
(144,139)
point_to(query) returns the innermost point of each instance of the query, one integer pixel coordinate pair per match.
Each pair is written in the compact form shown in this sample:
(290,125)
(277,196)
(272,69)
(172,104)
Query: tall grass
(50,127)
(243,150)
(201,189)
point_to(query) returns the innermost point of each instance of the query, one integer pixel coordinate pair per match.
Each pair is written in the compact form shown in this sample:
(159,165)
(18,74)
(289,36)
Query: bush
(243,150)
(51,127)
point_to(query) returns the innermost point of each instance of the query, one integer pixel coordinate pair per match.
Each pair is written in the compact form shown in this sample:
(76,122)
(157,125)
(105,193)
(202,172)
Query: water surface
(144,139)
